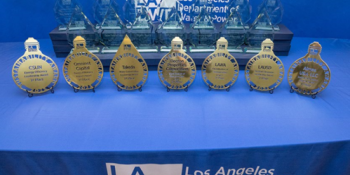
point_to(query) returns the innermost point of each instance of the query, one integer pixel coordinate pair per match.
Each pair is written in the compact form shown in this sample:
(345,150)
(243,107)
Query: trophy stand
(186,89)
(77,90)
(313,96)
(120,89)
(227,89)
(271,91)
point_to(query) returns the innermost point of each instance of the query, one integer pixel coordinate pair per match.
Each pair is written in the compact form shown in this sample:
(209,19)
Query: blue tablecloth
(78,133)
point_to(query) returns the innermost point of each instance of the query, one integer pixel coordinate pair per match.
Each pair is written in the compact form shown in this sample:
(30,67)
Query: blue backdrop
(313,18)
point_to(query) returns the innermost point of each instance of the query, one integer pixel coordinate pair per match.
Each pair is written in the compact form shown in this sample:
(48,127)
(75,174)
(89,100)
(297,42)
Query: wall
(312,18)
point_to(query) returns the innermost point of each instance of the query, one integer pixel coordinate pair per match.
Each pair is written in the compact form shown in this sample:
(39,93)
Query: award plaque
(309,75)
(64,10)
(128,69)
(220,69)
(177,70)
(265,71)
(35,72)
(82,69)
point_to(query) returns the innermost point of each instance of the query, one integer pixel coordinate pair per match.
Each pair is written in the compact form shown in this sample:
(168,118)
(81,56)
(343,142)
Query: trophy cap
(31,42)
(79,41)
(267,45)
(222,43)
(315,48)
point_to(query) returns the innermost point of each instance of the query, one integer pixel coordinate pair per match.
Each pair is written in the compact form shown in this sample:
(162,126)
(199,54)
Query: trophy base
(253,50)
(204,27)
(167,49)
(147,49)
(234,49)
(141,28)
(109,50)
(109,27)
(201,49)
(258,27)
(94,50)
(237,27)
(72,28)
(172,27)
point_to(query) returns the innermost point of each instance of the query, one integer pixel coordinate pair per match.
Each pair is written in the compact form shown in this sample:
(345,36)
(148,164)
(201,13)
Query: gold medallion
(220,69)
(309,75)
(265,71)
(177,70)
(128,69)
(82,69)
(35,72)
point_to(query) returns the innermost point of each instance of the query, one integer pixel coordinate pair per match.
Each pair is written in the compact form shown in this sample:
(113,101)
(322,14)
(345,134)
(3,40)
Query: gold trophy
(82,69)
(265,71)
(177,70)
(220,69)
(128,69)
(35,72)
(309,75)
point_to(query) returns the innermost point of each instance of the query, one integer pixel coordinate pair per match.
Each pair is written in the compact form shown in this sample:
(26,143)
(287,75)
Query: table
(190,133)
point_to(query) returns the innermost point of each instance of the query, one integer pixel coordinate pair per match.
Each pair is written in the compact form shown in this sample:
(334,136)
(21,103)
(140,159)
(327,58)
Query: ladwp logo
(144,169)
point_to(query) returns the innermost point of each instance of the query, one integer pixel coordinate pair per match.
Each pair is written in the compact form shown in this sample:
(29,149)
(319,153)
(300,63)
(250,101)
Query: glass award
(265,71)
(128,69)
(309,75)
(64,10)
(173,26)
(82,69)
(129,11)
(34,72)
(142,33)
(176,69)
(236,26)
(220,69)
(265,25)
(106,14)
(203,35)
(80,25)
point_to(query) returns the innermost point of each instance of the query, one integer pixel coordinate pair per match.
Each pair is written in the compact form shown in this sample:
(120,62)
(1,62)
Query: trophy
(220,69)
(35,72)
(111,26)
(80,25)
(203,34)
(177,70)
(128,69)
(82,69)
(129,10)
(142,33)
(236,26)
(265,71)
(173,26)
(309,75)
(64,10)
(265,25)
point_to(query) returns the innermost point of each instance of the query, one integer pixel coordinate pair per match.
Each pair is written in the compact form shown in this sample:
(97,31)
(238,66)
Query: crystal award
(64,10)
(112,28)
(177,70)
(128,69)
(129,11)
(87,30)
(236,26)
(106,14)
(265,71)
(35,72)
(203,35)
(82,69)
(173,26)
(309,75)
(265,25)
(142,33)
(220,69)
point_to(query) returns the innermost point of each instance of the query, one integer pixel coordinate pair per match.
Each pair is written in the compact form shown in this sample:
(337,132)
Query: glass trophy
(129,11)
(128,69)
(86,30)
(177,70)
(236,26)
(265,71)
(142,33)
(172,27)
(34,72)
(64,10)
(203,35)
(220,69)
(265,25)
(82,69)
(112,28)
(309,75)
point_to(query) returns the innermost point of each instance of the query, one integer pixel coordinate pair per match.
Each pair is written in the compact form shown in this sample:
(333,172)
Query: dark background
(306,18)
